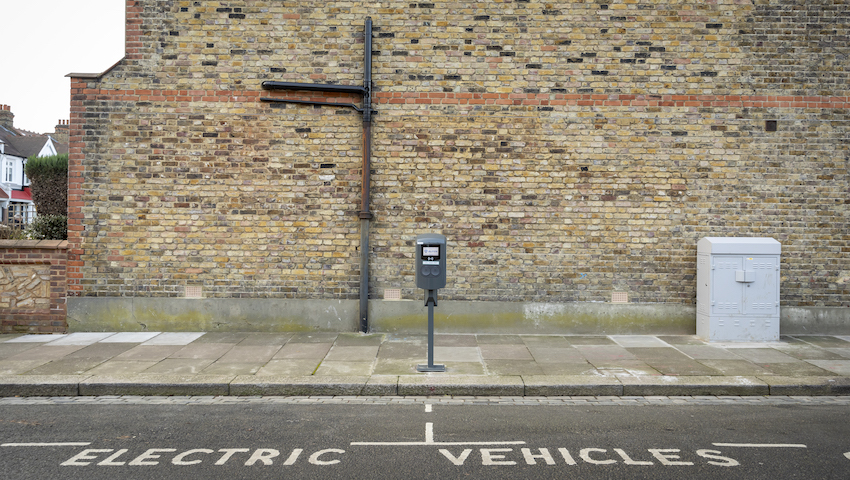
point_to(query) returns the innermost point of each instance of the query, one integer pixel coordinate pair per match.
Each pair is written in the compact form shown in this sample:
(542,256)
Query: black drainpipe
(366,91)
(365,214)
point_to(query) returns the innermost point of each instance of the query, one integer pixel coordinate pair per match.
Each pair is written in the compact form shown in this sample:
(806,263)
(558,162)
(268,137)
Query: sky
(44,40)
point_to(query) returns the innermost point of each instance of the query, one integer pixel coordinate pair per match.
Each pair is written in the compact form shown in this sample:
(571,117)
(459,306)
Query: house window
(9,172)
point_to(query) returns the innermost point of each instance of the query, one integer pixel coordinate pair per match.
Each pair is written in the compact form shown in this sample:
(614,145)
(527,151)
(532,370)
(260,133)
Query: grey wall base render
(129,314)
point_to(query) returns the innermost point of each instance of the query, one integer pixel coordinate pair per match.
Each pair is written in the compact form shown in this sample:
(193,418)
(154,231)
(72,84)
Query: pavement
(353,364)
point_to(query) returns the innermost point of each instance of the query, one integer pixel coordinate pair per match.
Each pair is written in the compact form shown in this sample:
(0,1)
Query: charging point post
(431,276)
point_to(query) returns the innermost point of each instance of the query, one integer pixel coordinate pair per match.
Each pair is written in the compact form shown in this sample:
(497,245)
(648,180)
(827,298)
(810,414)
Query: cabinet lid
(739,246)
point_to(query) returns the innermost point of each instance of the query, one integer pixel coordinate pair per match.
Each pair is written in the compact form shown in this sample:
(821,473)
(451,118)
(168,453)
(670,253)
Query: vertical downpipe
(365,214)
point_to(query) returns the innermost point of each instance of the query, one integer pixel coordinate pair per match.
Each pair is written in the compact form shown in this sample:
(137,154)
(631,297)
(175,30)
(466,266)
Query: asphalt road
(423,441)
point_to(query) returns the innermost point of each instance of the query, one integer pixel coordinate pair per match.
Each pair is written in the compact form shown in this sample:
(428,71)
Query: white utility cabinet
(738,289)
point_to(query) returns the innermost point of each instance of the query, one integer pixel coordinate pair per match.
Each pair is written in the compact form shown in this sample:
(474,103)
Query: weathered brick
(566,151)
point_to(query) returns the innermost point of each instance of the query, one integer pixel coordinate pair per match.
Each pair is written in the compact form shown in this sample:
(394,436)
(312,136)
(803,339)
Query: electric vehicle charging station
(431,256)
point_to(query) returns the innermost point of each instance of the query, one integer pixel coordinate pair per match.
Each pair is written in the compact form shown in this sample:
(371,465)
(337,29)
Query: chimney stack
(7,118)
(61,131)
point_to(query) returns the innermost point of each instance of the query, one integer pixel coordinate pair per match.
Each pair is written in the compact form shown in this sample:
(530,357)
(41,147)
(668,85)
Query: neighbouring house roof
(22,195)
(24,144)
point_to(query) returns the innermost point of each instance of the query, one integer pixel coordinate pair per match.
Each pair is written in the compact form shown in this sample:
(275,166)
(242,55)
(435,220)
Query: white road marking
(428,408)
(54,444)
(429,440)
(761,445)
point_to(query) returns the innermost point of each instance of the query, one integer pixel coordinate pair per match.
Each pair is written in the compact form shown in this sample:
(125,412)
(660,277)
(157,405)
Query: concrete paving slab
(824,341)
(352,353)
(17,367)
(402,350)
(633,368)
(505,352)
(707,352)
(147,384)
(359,339)
(316,337)
(455,341)
(101,350)
(37,338)
(638,341)
(180,366)
(303,350)
(797,369)
(456,354)
(199,350)
(381,385)
(682,367)
(456,368)
(130,337)
(764,355)
(344,368)
(174,338)
(657,353)
(40,385)
(556,355)
(46,352)
(840,367)
(148,352)
(11,349)
(82,338)
(513,367)
(692,385)
(289,367)
(545,341)
(807,352)
(396,366)
(561,369)
(268,339)
(601,354)
(119,367)
(499,340)
(67,366)
(739,367)
(250,354)
(678,340)
(844,352)
(441,384)
(589,340)
(224,368)
(222,337)
(306,385)
(793,386)
(571,385)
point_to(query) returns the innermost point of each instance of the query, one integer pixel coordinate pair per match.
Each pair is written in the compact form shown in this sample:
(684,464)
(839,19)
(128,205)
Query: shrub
(11,233)
(49,183)
(48,227)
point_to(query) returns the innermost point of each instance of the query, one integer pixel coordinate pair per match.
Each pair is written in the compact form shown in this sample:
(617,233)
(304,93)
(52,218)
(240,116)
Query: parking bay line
(47,444)
(429,441)
(761,445)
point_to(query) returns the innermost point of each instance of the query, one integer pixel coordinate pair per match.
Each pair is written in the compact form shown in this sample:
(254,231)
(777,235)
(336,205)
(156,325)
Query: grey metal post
(431,301)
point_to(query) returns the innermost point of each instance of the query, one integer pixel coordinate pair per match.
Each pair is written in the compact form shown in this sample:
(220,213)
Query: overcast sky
(44,40)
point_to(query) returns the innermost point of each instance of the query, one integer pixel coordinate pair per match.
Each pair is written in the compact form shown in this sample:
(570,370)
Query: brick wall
(32,286)
(568,150)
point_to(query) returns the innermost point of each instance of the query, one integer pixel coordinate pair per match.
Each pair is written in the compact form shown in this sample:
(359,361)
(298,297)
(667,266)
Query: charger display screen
(430,253)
